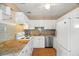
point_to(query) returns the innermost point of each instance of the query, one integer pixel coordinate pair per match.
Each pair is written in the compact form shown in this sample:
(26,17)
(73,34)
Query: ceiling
(37,11)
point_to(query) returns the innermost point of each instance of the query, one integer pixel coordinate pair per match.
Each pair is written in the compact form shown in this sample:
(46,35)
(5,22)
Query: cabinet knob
(64,22)
(23,52)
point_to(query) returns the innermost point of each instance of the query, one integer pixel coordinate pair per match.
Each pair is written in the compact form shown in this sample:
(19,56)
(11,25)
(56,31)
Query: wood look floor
(44,52)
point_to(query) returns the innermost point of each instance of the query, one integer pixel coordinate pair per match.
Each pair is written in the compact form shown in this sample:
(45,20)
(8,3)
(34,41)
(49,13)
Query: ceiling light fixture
(47,6)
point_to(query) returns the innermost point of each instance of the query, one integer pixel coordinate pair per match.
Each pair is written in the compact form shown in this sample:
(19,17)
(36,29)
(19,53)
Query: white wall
(48,24)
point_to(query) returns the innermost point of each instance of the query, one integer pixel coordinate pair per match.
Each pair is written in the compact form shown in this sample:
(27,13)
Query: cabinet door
(41,42)
(66,34)
(20,18)
(63,33)
(27,50)
(23,52)
(6,32)
(61,51)
(59,31)
(35,42)
(75,37)
(6,13)
(38,42)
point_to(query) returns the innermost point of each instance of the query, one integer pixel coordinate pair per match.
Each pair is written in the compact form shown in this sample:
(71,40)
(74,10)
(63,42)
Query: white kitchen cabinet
(6,32)
(68,36)
(21,18)
(24,51)
(61,51)
(38,42)
(7,22)
(62,44)
(75,37)
(27,50)
(5,12)
(7,15)
(47,24)
(68,33)
(30,48)
(63,33)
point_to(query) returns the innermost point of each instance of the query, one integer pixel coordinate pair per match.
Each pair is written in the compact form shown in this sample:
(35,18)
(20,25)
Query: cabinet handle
(64,22)
(23,52)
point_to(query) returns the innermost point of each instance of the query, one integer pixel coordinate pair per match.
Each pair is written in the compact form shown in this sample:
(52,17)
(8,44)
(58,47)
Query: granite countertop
(12,46)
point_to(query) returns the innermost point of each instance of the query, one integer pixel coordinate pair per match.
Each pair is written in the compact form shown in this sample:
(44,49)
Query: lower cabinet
(27,50)
(38,42)
(61,51)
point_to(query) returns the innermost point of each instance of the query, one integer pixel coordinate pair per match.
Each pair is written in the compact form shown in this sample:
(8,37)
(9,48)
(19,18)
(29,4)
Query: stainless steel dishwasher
(48,41)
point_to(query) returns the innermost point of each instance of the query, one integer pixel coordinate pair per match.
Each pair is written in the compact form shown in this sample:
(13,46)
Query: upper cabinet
(5,12)
(47,24)
(21,18)
(7,15)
